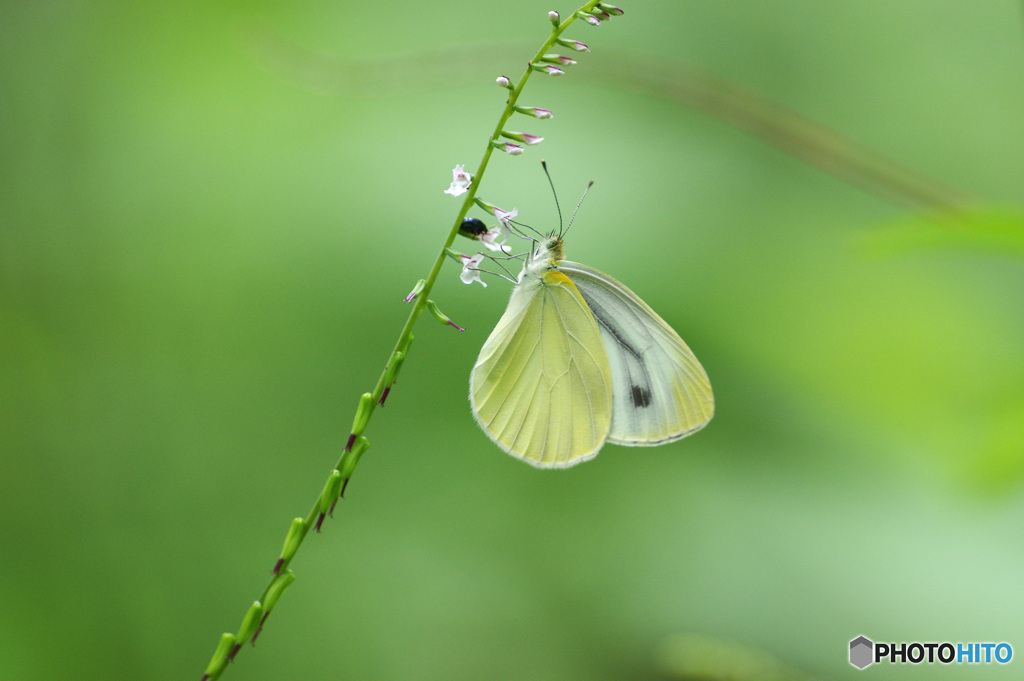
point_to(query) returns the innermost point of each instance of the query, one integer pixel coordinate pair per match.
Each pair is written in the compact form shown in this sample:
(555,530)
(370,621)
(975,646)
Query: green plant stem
(421,299)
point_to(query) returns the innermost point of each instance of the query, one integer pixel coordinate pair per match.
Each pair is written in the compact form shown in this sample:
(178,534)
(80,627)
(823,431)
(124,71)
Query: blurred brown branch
(674,81)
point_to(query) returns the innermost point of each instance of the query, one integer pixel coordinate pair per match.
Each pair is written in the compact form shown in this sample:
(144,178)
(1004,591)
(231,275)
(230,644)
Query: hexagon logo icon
(861,652)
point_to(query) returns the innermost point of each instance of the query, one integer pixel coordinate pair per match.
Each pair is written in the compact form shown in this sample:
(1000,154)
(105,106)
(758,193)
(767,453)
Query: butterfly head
(550,250)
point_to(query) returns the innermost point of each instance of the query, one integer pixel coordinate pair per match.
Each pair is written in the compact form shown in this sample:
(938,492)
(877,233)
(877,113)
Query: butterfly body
(578,360)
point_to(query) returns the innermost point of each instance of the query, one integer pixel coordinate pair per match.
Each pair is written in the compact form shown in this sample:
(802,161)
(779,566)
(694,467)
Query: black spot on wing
(641,396)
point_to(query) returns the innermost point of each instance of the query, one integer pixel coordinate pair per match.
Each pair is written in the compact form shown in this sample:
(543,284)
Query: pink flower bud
(573,45)
(558,59)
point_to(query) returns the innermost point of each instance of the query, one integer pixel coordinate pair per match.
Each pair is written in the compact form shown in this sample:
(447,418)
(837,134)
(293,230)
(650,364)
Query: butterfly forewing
(541,387)
(660,391)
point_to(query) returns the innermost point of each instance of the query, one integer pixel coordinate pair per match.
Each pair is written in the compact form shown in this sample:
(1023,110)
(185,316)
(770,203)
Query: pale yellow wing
(661,393)
(541,387)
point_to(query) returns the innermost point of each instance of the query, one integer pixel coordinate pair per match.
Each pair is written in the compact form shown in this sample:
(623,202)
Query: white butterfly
(578,360)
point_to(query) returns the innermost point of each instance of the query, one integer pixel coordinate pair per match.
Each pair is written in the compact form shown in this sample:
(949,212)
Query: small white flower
(503,81)
(504,218)
(471,269)
(460,181)
(490,241)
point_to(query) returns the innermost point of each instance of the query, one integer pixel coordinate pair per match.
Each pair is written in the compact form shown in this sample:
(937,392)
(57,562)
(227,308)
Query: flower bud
(394,367)
(291,542)
(504,82)
(332,488)
(534,111)
(553,17)
(416,290)
(363,413)
(522,137)
(274,592)
(350,459)
(573,45)
(548,69)
(277,588)
(440,316)
(589,18)
(600,14)
(612,9)
(250,623)
(507,147)
(558,59)
(483,204)
(390,375)
(220,656)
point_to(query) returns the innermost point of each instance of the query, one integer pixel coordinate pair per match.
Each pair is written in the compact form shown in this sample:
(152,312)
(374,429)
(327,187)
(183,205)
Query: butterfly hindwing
(660,391)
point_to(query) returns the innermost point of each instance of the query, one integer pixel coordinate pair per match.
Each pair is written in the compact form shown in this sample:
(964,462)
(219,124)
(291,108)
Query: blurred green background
(209,214)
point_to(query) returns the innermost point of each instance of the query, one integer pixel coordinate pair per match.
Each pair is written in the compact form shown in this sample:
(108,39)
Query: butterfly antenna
(573,218)
(544,165)
(515,228)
